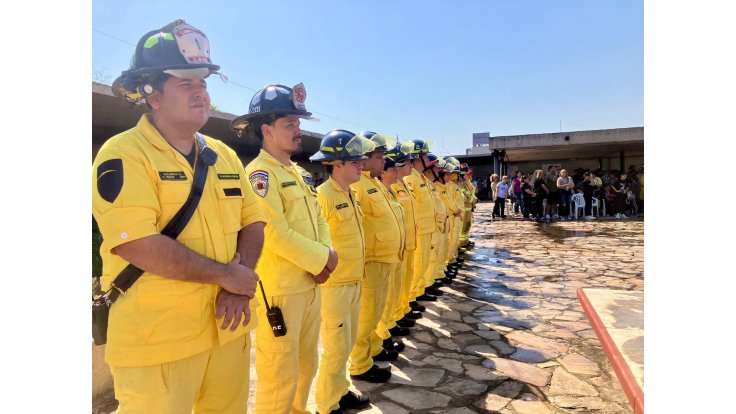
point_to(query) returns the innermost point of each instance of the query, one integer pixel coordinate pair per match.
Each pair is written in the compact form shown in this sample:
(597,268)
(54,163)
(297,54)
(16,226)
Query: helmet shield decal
(192,43)
(299,96)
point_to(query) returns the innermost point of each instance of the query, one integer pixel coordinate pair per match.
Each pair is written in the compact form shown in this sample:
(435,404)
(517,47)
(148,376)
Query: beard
(297,149)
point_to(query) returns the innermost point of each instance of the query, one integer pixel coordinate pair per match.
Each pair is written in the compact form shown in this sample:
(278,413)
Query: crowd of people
(346,262)
(546,196)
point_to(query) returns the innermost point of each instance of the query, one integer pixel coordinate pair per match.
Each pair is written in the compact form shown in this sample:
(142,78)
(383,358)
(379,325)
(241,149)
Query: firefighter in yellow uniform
(408,202)
(447,192)
(343,152)
(439,237)
(175,339)
(382,252)
(296,257)
(388,325)
(474,200)
(459,200)
(416,151)
(469,200)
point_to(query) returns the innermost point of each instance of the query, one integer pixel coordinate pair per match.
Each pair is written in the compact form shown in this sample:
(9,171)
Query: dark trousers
(499,207)
(526,206)
(564,204)
(537,206)
(588,204)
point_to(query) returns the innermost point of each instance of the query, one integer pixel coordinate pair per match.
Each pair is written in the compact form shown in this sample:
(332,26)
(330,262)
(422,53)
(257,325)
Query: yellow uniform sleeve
(322,227)
(124,200)
(308,254)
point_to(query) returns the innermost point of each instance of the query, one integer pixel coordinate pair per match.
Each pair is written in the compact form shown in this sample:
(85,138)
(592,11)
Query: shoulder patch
(309,181)
(110,179)
(341,206)
(259,181)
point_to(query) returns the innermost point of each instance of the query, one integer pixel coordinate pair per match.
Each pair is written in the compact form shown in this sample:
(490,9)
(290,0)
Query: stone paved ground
(509,335)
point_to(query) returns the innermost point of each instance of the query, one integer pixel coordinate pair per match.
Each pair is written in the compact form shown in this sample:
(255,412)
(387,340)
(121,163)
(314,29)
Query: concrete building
(605,149)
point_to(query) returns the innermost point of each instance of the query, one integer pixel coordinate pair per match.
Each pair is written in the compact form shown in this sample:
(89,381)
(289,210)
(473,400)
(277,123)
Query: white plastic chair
(594,205)
(577,202)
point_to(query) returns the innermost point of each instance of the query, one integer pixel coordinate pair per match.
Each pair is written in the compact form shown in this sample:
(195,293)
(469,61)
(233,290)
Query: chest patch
(259,181)
(172,175)
(341,206)
(228,176)
(232,192)
(422,185)
(288,184)
(372,190)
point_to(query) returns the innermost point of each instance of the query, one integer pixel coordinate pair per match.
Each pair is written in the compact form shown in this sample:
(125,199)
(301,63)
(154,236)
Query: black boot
(392,344)
(426,297)
(385,355)
(352,400)
(375,374)
(405,323)
(433,291)
(416,307)
(412,314)
(399,331)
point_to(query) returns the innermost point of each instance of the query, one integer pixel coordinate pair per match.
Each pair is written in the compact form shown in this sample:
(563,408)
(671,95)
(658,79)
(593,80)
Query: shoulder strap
(205,158)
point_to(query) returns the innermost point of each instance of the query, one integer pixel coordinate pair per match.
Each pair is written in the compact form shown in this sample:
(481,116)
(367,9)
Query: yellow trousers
(407,274)
(439,245)
(454,239)
(286,365)
(215,381)
(372,301)
(465,224)
(339,328)
(387,320)
(421,262)
(442,249)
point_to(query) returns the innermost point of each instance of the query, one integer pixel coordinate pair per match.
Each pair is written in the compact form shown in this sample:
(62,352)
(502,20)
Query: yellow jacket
(468,192)
(161,319)
(399,213)
(454,190)
(440,211)
(424,212)
(297,237)
(406,198)
(382,240)
(343,215)
(448,197)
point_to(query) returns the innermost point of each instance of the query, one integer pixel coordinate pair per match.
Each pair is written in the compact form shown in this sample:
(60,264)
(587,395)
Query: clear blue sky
(435,70)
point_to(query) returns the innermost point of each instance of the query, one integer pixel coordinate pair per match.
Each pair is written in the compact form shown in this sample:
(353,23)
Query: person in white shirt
(502,191)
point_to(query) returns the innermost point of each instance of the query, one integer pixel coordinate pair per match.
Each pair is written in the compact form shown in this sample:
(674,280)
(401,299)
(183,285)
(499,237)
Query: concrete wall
(600,136)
